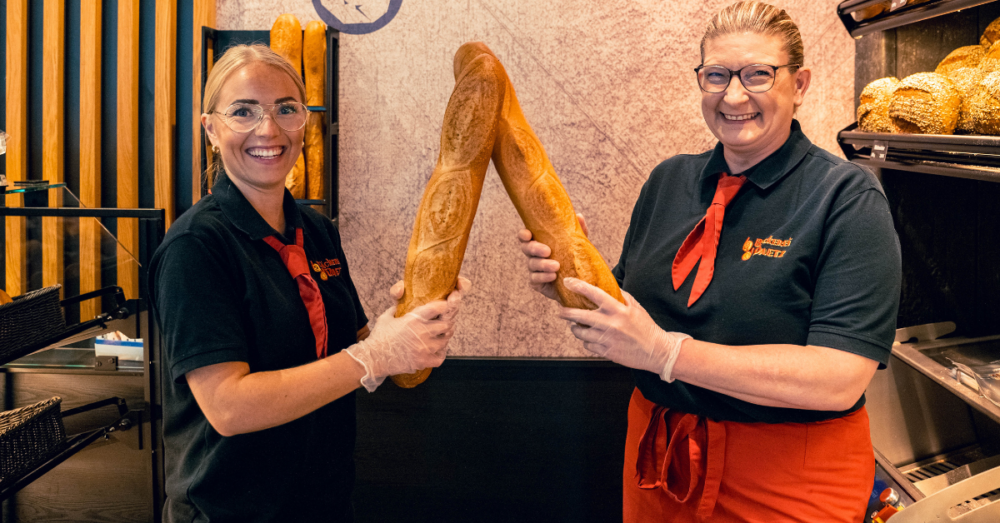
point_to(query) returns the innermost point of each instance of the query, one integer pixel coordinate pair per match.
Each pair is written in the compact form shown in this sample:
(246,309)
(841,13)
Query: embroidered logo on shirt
(757,248)
(327,268)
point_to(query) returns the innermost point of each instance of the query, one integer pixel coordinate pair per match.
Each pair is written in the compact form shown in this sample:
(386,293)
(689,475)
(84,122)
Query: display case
(217,41)
(107,397)
(933,433)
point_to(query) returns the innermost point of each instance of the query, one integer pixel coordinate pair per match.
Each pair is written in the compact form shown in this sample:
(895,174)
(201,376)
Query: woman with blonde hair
(762,283)
(265,339)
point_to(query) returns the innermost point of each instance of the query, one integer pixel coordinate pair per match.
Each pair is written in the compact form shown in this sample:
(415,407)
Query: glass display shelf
(21,189)
(898,13)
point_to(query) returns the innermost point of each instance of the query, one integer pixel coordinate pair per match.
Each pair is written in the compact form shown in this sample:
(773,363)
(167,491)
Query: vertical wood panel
(127,144)
(16,101)
(204,15)
(90,151)
(165,104)
(53,49)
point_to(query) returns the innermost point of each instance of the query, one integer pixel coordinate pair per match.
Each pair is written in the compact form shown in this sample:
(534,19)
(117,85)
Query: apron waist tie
(698,441)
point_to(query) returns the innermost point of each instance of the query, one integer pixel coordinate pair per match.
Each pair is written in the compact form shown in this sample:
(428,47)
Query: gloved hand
(542,270)
(624,334)
(417,340)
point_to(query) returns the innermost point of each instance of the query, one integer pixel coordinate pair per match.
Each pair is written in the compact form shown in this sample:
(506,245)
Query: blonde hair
(234,59)
(757,18)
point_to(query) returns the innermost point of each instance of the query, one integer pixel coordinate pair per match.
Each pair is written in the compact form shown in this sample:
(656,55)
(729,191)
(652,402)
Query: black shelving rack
(898,14)
(974,157)
(152,229)
(215,43)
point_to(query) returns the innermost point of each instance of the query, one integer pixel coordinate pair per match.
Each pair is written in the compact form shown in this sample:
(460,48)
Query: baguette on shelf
(286,40)
(314,68)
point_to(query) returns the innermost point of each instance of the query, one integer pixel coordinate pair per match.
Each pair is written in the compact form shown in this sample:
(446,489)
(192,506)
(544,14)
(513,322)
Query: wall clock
(357,16)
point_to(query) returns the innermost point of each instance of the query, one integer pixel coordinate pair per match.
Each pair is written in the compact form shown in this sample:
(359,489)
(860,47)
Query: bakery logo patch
(765,247)
(327,268)
(357,17)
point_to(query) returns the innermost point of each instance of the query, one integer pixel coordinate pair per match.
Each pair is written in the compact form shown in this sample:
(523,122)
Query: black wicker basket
(28,436)
(31,318)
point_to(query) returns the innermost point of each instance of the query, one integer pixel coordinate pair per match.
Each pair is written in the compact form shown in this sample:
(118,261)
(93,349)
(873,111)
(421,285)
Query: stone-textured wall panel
(609,89)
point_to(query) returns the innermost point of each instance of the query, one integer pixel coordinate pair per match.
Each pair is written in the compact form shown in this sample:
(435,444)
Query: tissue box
(125,350)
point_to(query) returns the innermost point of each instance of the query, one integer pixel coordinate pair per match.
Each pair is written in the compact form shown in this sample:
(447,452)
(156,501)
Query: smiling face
(261,158)
(751,126)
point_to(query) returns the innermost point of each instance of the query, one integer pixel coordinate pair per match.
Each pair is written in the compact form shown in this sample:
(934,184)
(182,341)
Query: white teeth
(264,152)
(739,117)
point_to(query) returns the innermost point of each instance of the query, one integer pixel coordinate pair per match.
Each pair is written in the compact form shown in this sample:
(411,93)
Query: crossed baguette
(484,121)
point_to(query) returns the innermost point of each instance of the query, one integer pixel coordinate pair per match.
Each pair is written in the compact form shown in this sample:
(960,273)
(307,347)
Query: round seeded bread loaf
(991,34)
(873,113)
(967,56)
(925,103)
(985,105)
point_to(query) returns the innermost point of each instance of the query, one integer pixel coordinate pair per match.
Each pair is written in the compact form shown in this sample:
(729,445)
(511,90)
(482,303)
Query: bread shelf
(898,17)
(974,157)
(73,444)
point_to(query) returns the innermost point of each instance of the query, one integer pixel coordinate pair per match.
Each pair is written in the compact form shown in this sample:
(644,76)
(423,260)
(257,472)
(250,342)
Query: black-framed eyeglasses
(244,117)
(756,78)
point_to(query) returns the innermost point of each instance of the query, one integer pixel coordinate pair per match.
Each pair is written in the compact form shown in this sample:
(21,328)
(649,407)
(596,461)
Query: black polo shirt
(222,294)
(807,256)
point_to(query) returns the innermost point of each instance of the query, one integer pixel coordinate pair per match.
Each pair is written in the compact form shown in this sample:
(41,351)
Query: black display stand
(151,231)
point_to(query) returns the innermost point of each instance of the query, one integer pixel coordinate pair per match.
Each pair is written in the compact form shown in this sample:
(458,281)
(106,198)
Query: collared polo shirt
(222,294)
(807,256)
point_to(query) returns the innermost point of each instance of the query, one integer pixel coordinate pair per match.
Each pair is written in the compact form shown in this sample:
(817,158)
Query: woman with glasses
(762,282)
(265,339)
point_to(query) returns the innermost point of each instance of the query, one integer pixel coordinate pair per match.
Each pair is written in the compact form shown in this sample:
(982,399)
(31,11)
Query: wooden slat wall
(53,49)
(127,141)
(165,95)
(16,104)
(90,151)
(204,15)
(54,163)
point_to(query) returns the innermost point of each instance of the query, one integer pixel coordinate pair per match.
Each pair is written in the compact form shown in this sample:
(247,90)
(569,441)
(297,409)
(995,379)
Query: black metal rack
(74,443)
(217,41)
(897,16)
(152,228)
(973,157)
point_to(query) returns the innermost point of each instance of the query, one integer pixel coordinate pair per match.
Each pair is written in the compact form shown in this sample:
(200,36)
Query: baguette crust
(295,181)
(541,201)
(314,62)
(444,218)
(286,40)
(314,67)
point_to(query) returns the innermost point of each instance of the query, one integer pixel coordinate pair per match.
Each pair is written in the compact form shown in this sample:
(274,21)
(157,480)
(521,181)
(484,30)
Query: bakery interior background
(608,87)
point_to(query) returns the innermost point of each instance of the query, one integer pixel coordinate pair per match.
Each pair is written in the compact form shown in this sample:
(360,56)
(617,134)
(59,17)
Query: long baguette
(295,181)
(314,68)
(286,40)
(541,200)
(450,200)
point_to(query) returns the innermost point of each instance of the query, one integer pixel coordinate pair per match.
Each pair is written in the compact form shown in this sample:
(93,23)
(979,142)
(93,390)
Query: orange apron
(685,468)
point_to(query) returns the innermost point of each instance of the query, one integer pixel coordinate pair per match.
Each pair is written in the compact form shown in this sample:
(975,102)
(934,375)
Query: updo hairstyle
(757,18)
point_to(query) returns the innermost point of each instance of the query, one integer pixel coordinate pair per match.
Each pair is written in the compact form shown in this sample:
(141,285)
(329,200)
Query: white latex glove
(624,334)
(542,270)
(417,340)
